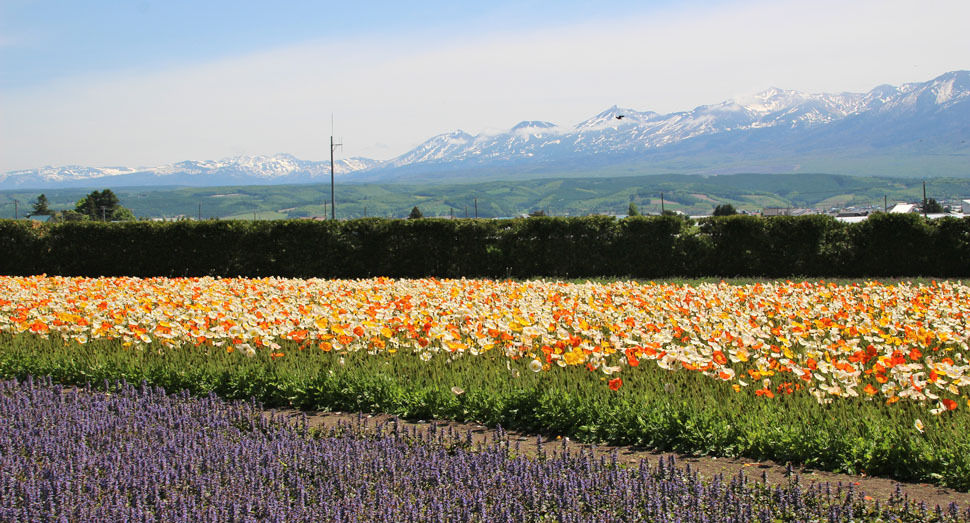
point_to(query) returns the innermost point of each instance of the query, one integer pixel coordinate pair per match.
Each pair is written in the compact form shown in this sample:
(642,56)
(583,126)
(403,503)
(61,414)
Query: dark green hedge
(884,245)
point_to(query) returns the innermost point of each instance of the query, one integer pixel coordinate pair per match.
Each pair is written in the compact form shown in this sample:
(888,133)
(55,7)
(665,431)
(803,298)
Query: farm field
(864,378)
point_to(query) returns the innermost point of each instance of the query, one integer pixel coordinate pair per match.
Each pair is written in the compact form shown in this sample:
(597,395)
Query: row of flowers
(885,342)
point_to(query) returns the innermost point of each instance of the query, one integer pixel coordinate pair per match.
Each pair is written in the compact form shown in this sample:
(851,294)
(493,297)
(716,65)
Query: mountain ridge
(775,128)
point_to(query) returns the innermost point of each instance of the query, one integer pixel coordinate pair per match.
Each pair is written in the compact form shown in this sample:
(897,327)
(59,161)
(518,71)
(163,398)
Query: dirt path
(877,487)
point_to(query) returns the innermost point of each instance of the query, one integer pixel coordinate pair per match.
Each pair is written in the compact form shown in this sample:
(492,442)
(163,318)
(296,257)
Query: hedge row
(884,245)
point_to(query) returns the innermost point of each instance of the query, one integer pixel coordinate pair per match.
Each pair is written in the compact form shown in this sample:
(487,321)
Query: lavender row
(137,454)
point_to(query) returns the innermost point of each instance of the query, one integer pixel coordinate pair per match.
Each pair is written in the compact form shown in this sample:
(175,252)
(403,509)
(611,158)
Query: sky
(143,83)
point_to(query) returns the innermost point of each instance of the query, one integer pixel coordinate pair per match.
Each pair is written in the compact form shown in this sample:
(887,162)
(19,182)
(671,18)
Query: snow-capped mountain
(916,129)
(907,127)
(240,170)
(627,132)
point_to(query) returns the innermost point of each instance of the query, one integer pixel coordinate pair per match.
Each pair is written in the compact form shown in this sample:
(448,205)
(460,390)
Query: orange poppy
(720,358)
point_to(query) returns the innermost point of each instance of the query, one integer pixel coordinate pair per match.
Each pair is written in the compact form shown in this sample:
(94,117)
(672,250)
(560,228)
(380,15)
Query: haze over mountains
(917,129)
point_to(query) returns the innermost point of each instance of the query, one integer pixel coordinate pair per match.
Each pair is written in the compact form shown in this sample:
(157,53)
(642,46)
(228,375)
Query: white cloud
(390,94)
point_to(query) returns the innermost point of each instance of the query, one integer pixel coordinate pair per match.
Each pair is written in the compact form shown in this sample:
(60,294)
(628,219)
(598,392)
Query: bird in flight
(620,116)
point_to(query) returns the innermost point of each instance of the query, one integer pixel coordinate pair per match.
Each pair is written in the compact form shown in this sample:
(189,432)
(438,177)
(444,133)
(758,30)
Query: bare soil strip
(878,488)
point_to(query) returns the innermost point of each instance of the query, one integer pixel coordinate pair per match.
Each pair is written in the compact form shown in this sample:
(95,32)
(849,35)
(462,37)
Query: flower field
(137,454)
(862,377)
(887,343)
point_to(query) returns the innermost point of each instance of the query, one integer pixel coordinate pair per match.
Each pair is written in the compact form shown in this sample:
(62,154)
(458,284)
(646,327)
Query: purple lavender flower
(137,454)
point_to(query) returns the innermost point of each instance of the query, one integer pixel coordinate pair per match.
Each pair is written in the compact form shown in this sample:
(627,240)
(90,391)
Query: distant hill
(917,129)
(694,194)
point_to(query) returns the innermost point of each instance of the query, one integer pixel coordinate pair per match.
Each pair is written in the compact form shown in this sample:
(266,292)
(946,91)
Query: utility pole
(466,211)
(365,211)
(885,203)
(324,209)
(476,208)
(254,216)
(661,203)
(102,213)
(16,209)
(924,199)
(333,201)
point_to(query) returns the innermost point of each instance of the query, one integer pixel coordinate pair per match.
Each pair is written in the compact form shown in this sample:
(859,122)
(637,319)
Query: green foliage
(102,206)
(40,207)
(737,244)
(893,244)
(122,214)
(560,247)
(885,245)
(415,213)
(724,209)
(69,216)
(677,411)
(21,243)
(950,247)
(651,247)
(933,207)
(805,245)
(632,210)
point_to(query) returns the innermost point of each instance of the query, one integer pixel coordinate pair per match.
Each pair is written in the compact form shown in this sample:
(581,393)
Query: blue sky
(151,82)
(46,40)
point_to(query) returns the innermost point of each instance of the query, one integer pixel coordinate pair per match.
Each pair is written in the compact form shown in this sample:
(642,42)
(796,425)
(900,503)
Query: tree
(933,207)
(98,205)
(123,214)
(40,207)
(724,209)
(70,216)
(632,210)
(536,214)
(415,213)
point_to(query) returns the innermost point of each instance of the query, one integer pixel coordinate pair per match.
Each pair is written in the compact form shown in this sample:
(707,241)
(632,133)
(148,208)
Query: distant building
(966,207)
(900,208)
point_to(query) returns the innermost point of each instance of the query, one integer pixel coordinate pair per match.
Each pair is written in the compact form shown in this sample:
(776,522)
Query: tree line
(101,206)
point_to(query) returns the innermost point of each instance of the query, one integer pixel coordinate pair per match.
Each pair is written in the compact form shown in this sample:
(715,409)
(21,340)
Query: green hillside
(692,194)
